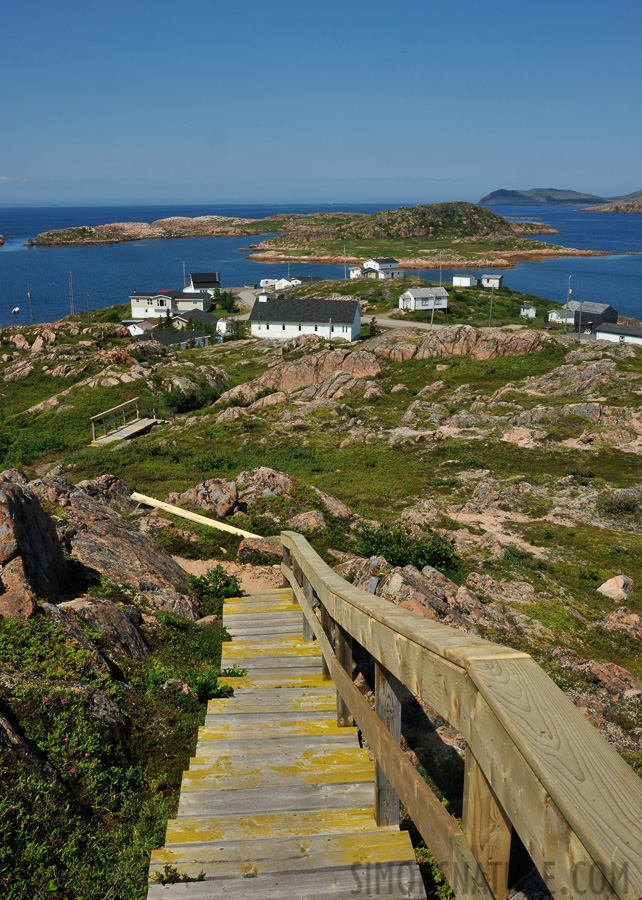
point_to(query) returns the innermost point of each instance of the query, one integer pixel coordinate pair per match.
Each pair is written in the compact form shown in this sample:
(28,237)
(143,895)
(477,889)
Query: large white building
(424,298)
(285,319)
(622,334)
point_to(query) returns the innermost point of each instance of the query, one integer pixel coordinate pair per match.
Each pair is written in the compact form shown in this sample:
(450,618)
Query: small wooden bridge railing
(116,417)
(533,762)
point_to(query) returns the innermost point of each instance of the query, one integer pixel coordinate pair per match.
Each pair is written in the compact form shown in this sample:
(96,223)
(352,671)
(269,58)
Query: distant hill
(548,196)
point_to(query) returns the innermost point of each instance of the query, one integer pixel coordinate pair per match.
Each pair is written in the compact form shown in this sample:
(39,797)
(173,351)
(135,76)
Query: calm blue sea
(109,273)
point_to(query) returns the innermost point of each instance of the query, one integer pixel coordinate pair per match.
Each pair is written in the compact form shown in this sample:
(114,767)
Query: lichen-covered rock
(32,564)
(263,482)
(216,495)
(268,546)
(478,343)
(307,521)
(503,591)
(623,619)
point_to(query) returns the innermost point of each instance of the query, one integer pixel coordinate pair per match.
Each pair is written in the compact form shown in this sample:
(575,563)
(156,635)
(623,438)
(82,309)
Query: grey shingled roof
(385,259)
(595,308)
(206,279)
(426,292)
(342,312)
(631,330)
(170,337)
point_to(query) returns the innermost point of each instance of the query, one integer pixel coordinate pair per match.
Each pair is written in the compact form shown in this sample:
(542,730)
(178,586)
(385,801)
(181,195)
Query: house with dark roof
(381,267)
(195,316)
(623,334)
(588,316)
(136,328)
(178,340)
(160,303)
(203,282)
(286,319)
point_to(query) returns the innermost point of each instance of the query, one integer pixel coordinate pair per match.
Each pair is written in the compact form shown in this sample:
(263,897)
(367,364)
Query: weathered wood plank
(264,772)
(261,716)
(185,514)
(288,798)
(343,651)
(246,746)
(392,880)
(270,825)
(272,730)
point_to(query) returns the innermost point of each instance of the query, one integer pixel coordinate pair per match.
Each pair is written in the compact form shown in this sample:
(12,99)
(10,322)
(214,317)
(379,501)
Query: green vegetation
(79,819)
(400,549)
(212,589)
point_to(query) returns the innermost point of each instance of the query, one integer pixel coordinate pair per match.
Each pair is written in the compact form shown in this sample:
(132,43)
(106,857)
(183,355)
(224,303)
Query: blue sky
(290,101)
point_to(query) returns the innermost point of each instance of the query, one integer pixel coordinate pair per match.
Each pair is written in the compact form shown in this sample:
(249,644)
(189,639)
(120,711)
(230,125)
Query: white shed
(528,311)
(623,334)
(492,281)
(465,281)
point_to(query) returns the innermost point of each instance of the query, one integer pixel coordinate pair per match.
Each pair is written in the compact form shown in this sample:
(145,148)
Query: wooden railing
(533,762)
(116,417)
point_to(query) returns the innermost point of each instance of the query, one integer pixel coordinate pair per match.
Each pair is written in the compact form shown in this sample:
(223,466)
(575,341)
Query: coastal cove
(110,272)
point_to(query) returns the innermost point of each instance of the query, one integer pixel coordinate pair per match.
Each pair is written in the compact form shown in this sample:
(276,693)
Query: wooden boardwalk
(279,801)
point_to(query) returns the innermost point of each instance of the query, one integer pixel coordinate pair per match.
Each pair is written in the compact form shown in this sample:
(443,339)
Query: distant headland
(553,197)
(457,233)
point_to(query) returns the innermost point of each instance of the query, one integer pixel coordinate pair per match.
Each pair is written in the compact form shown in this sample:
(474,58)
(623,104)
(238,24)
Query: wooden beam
(192,517)
(343,651)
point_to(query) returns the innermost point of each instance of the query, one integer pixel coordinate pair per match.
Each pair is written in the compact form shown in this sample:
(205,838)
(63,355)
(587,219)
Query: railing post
(343,651)
(486,827)
(308,590)
(288,562)
(388,692)
(328,626)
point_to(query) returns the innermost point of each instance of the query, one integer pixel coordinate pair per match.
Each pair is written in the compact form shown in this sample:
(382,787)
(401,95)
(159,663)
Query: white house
(203,282)
(528,311)
(623,334)
(381,267)
(282,284)
(267,282)
(424,298)
(136,328)
(285,319)
(492,281)
(157,304)
(355,271)
(465,281)
(564,314)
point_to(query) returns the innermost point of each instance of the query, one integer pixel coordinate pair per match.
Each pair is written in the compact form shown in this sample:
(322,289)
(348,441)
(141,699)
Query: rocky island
(464,234)
(549,197)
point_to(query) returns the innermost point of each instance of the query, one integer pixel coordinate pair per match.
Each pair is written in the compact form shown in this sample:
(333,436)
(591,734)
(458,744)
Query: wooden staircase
(279,801)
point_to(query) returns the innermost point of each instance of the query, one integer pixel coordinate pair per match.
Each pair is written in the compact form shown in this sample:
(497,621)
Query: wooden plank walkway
(138,426)
(279,801)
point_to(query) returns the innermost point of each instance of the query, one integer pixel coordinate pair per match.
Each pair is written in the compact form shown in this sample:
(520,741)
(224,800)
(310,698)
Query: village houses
(285,319)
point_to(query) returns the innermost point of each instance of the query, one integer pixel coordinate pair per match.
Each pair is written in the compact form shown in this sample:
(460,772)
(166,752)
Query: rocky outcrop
(306,522)
(571,379)
(487,343)
(309,370)
(427,592)
(32,564)
(612,680)
(263,546)
(116,624)
(623,619)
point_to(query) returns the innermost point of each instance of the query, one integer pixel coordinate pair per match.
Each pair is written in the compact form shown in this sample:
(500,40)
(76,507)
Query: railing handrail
(533,761)
(109,412)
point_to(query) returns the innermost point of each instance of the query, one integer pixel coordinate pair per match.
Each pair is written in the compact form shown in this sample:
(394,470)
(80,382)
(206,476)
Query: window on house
(316,327)
(283,326)
(621,338)
(160,302)
(267,326)
(299,328)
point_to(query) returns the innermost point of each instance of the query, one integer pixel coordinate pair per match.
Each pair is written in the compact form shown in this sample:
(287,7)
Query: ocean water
(110,272)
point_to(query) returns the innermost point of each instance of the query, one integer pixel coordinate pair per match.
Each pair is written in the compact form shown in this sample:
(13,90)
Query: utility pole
(432,314)
(88,313)
(30,302)
(72,306)
(345,264)
(568,300)
(440,268)
(184,277)
(490,314)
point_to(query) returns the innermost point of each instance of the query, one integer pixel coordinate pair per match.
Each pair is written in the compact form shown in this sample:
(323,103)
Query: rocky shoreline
(495,259)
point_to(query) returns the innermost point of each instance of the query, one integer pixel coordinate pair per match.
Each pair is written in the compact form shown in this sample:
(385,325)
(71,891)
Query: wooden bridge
(121,422)
(281,801)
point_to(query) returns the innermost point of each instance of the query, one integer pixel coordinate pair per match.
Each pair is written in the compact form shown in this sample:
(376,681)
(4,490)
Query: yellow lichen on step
(251,776)
(291,681)
(216,828)
(272,730)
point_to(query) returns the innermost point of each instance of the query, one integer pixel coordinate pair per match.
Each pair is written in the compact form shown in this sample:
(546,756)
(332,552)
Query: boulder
(31,559)
(109,489)
(104,541)
(334,506)
(215,494)
(263,482)
(617,588)
(269,546)
(503,591)
(614,681)
(106,618)
(307,521)
(625,620)
(486,343)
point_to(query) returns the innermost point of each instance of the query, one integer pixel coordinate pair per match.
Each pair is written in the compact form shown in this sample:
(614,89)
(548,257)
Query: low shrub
(401,549)
(213,588)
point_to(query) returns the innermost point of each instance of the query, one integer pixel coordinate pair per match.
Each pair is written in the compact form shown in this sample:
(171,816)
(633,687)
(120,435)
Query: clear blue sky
(289,101)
